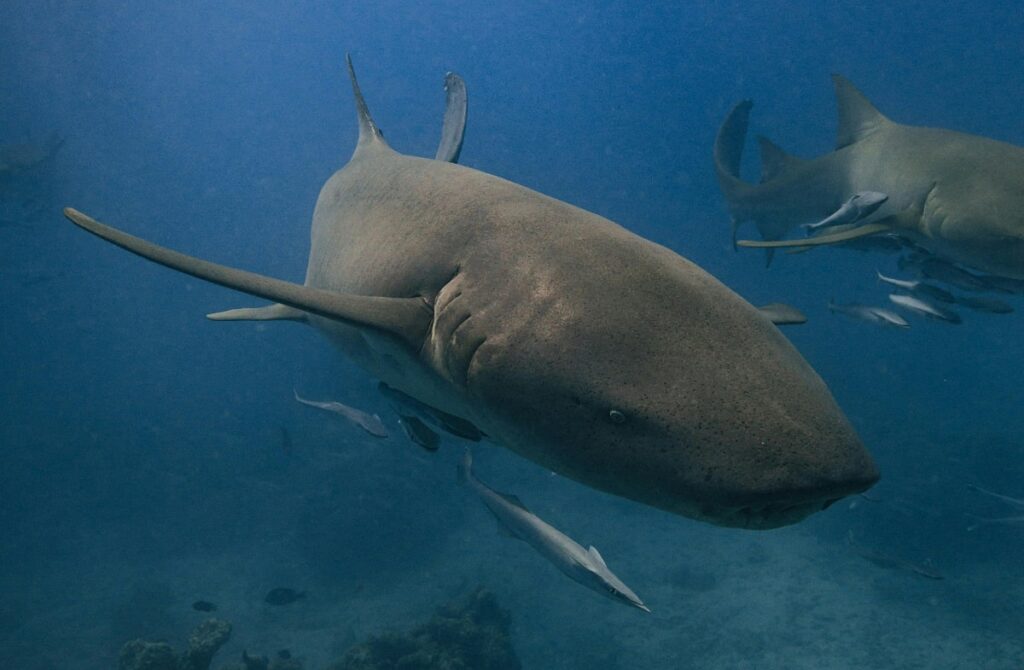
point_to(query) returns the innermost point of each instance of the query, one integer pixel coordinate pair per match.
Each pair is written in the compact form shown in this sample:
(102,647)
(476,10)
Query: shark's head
(653,381)
(593,573)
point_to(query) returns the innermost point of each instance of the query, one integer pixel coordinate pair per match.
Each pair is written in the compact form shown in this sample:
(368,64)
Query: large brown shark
(959,196)
(558,334)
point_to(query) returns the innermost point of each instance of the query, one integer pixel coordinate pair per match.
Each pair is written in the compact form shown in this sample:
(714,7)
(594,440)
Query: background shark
(956,195)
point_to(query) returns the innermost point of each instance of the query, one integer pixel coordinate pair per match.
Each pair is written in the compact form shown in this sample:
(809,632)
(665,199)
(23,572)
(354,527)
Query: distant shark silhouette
(959,196)
(558,334)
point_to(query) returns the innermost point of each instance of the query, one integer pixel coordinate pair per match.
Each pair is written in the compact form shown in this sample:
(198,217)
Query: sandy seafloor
(793,598)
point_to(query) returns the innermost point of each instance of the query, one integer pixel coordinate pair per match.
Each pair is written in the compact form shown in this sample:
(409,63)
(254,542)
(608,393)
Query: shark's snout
(803,489)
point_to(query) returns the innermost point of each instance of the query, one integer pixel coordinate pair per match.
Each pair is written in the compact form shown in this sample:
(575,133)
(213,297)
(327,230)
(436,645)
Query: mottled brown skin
(562,316)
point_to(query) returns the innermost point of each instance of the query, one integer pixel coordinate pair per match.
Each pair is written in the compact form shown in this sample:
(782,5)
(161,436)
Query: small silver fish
(918,287)
(1005,520)
(871,314)
(926,309)
(893,562)
(370,423)
(582,565)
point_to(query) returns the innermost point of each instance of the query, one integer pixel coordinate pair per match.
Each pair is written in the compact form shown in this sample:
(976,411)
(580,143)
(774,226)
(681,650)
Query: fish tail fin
(369,133)
(465,469)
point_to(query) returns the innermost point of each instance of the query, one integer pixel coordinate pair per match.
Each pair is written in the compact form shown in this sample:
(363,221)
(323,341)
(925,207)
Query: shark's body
(585,566)
(560,335)
(957,195)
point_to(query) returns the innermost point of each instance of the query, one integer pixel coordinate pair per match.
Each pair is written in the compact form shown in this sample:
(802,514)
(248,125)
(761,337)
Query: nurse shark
(558,334)
(956,195)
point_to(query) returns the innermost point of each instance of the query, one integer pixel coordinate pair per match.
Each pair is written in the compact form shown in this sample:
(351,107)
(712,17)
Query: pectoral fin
(782,314)
(276,312)
(820,240)
(407,318)
(419,434)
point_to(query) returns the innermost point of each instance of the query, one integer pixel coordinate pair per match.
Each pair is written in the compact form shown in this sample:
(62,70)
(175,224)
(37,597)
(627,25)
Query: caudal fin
(729,149)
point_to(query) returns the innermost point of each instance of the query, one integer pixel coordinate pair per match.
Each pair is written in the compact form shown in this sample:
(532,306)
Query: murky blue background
(142,458)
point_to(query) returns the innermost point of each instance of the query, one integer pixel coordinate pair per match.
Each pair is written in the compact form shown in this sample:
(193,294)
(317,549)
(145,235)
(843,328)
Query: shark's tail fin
(728,157)
(729,150)
(465,470)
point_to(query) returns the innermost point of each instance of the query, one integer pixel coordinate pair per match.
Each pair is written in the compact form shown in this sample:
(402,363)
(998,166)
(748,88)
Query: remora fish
(955,194)
(859,207)
(879,315)
(918,287)
(581,565)
(371,423)
(560,335)
(924,308)
(894,562)
(1008,520)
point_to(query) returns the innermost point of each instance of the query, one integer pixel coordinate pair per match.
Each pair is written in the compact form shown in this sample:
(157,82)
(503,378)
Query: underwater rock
(262,663)
(203,644)
(469,634)
(142,655)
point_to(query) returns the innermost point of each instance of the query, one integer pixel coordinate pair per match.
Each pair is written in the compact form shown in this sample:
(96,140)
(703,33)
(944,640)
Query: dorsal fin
(596,555)
(368,130)
(513,499)
(774,159)
(455,111)
(858,118)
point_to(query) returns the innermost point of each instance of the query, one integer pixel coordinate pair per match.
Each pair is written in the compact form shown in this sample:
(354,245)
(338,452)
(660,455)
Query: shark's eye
(611,590)
(615,416)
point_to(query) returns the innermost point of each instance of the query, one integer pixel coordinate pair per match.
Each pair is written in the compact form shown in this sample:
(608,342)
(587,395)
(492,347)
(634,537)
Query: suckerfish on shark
(585,566)
(370,423)
(871,314)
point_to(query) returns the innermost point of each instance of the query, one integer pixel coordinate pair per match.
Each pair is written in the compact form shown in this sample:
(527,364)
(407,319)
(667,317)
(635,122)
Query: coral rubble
(470,634)
(203,644)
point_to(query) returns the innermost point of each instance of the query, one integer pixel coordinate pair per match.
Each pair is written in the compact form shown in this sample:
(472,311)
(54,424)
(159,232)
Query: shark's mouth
(764,517)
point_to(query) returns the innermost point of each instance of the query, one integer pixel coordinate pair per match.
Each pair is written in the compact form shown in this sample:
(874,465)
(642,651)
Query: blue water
(143,464)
